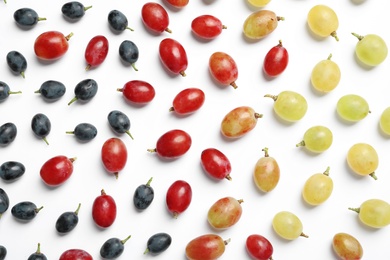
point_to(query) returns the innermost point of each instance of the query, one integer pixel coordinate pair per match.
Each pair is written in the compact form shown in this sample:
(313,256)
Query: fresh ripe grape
(51,45)
(84,132)
(289,105)
(41,126)
(223,68)
(258,3)
(114,155)
(138,91)
(4,202)
(16,62)
(85,90)
(259,247)
(5,91)
(207,26)
(173,144)
(363,159)
(3,252)
(323,21)
(317,139)
(224,213)
(188,101)
(75,254)
(374,213)
(239,121)
(276,60)
(260,24)
(10,171)
(371,49)
(25,210)
(208,246)
(129,53)
(118,21)
(96,51)
(317,188)
(178,197)
(178,3)
(347,247)
(67,221)
(173,56)
(104,210)
(155,17)
(27,17)
(325,75)
(266,174)
(51,90)
(158,243)
(113,248)
(216,164)
(352,108)
(57,170)
(74,10)
(8,133)
(287,225)
(384,121)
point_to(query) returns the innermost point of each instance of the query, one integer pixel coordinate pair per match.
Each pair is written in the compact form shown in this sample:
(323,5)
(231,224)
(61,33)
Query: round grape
(374,213)
(384,121)
(317,139)
(289,105)
(363,159)
(371,49)
(325,75)
(287,225)
(317,188)
(352,108)
(323,21)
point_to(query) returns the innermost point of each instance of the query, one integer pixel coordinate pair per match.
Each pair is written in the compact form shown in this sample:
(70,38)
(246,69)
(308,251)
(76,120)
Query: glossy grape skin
(155,17)
(16,62)
(224,213)
(11,170)
(119,122)
(260,24)
(347,247)
(158,243)
(178,197)
(67,221)
(85,90)
(113,248)
(41,126)
(207,26)
(104,210)
(173,144)
(4,202)
(51,90)
(74,10)
(352,108)
(317,188)
(3,252)
(223,69)
(27,17)
(8,133)
(114,155)
(188,101)
(317,139)
(143,196)
(84,132)
(258,3)
(384,121)
(178,3)
(25,210)
(371,49)
(57,170)
(207,246)
(173,56)
(325,75)
(216,164)
(289,105)
(5,91)
(37,255)
(129,53)
(138,92)
(239,121)
(51,45)
(259,247)
(118,21)
(75,254)
(96,51)
(374,213)
(323,21)
(287,225)
(363,159)
(266,173)
(276,60)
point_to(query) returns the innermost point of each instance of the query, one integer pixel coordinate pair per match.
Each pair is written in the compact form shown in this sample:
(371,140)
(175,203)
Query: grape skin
(287,225)
(371,49)
(323,21)
(363,159)
(317,188)
(325,75)
(352,108)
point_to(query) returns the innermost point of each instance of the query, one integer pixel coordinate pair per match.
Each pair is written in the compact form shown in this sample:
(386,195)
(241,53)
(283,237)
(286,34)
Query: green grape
(384,121)
(325,75)
(371,49)
(289,105)
(317,139)
(374,213)
(323,21)
(352,108)
(258,3)
(317,188)
(363,159)
(287,225)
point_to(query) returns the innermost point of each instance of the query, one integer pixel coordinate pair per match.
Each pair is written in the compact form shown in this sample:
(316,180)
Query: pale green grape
(259,3)
(287,225)
(289,105)
(260,24)
(317,139)
(317,188)
(371,49)
(352,108)
(384,121)
(325,75)
(374,213)
(363,159)
(323,21)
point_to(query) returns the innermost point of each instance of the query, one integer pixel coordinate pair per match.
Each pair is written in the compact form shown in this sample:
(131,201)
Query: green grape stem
(125,240)
(357,210)
(78,209)
(265,150)
(149,181)
(334,34)
(274,97)
(68,37)
(303,235)
(227,241)
(358,36)
(301,143)
(38,209)
(373,175)
(280,18)
(329,57)
(326,172)
(87,7)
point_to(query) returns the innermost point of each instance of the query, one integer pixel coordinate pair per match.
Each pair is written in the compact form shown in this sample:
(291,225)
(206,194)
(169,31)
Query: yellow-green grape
(371,49)
(363,159)
(325,75)
(287,225)
(258,3)
(323,21)
(266,174)
(384,121)
(260,24)
(289,105)
(318,188)
(352,108)
(317,139)
(374,213)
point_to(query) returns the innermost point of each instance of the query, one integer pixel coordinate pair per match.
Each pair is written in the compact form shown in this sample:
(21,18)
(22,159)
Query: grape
(323,21)
(224,213)
(266,174)
(317,139)
(374,213)
(384,121)
(352,108)
(346,246)
(325,75)
(289,105)
(239,121)
(371,49)
(363,159)
(317,188)
(258,3)
(260,24)
(287,225)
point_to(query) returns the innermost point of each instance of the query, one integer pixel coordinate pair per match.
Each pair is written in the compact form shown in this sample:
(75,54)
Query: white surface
(152,120)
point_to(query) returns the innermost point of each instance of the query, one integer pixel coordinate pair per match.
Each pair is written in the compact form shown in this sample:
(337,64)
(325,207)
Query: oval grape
(287,225)
(352,108)
(317,139)
(266,174)
(289,105)
(347,246)
(325,75)
(317,188)
(323,21)
(363,159)
(260,24)
(374,213)
(239,121)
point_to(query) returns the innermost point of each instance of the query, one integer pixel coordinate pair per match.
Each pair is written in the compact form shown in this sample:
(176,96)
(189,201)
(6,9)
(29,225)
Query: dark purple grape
(17,62)
(67,221)
(8,132)
(5,91)
(11,170)
(38,255)
(25,210)
(51,90)
(41,126)
(85,90)
(129,52)
(113,248)
(84,132)
(119,122)
(158,243)
(4,201)
(27,17)
(3,252)
(118,21)
(143,195)
(74,10)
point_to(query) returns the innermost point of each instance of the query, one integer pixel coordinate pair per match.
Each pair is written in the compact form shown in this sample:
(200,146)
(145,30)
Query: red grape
(276,60)
(51,45)
(173,144)
(259,247)
(178,197)
(104,210)
(208,246)
(57,170)
(223,68)
(188,101)
(178,3)
(173,56)
(96,51)
(239,121)
(207,26)
(114,155)
(75,254)
(224,213)
(138,91)
(155,17)
(216,164)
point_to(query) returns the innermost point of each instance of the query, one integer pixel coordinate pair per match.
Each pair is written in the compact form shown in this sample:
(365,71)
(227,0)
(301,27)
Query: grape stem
(149,181)
(301,143)
(357,210)
(274,97)
(87,7)
(304,235)
(77,210)
(234,85)
(168,30)
(227,241)
(373,175)
(38,209)
(228,177)
(334,34)
(265,150)
(68,37)
(125,240)
(326,172)
(329,57)
(358,36)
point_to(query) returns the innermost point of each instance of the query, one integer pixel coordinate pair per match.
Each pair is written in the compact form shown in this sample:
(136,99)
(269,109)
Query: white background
(151,121)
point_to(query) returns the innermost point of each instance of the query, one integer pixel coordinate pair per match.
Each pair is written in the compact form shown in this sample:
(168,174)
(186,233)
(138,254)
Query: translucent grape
(317,188)
(347,247)
(289,105)
(323,21)
(325,75)
(371,49)
(384,121)
(363,159)
(287,225)
(352,108)
(266,174)
(374,213)
(317,139)
(259,3)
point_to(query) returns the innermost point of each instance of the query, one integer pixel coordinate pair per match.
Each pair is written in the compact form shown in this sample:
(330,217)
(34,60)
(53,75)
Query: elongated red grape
(155,17)
(223,68)
(188,101)
(207,26)
(173,56)
(96,51)
(276,60)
